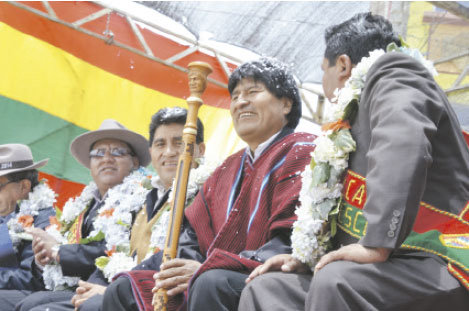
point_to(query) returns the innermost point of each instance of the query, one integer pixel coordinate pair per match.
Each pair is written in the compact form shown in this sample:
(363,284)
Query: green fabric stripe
(46,135)
(431,240)
(352,221)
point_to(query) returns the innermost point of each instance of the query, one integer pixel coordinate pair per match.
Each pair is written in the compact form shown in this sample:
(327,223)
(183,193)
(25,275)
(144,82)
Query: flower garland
(321,191)
(119,258)
(40,198)
(197,178)
(112,223)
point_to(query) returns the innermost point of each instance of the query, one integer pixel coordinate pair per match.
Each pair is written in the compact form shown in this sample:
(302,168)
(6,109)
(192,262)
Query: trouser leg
(118,296)
(9,298)
(216,290)
(92,304)
(275,291)
(47,300)
(401,283)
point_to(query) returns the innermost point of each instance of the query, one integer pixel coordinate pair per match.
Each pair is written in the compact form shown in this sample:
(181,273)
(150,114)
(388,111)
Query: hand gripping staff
(198,72)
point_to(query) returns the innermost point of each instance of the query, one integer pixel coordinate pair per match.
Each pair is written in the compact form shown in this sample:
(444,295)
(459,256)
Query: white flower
(118,262)
(40,198)
(75,206)
(55,280)
(118,235)
(121,201)
(309,243)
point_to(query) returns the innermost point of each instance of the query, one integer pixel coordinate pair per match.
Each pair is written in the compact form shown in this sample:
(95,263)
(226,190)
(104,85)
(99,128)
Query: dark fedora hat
(17,158)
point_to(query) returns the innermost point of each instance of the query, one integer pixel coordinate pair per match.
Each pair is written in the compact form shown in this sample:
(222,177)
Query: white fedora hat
(110,129)
(17,158)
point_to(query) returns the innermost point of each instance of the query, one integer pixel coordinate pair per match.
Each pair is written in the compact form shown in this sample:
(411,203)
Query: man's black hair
(173,115)
(358,36)
(277,79)
(31,175)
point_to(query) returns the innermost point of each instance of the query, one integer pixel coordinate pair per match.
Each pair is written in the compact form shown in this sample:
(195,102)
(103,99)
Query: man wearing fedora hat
(149,226)
(111,153)
(21,205)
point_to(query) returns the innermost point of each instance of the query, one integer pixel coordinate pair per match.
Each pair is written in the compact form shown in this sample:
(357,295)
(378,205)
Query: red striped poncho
(242,205)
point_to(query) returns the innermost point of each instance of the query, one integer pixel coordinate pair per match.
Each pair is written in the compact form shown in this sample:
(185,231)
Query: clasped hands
(43,244)
(352,252)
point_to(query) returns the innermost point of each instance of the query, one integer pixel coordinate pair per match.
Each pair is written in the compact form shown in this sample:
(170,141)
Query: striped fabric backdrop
(57,83)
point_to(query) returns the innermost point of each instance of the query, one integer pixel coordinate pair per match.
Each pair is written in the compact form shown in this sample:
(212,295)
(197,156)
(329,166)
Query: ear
(25,188)
(201,147)
(287,105)
(135,162)
(344,67)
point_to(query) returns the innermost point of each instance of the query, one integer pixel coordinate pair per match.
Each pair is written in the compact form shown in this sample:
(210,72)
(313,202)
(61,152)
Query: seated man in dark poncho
(244,212)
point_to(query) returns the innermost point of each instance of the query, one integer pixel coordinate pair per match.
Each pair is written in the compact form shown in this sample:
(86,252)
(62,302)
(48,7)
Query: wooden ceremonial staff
(198,72)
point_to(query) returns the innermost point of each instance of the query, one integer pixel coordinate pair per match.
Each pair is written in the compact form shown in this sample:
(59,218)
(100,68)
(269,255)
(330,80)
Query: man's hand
(42,246)
(356,253)
(86,290)
(282,262)
(174,275)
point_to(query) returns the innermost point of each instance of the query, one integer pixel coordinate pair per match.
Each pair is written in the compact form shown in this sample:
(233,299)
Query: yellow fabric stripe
(50,79)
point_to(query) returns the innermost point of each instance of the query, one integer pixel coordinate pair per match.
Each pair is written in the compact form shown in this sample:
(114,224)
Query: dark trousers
(10,298)
(401,283)
(119,297)
(213,290)
(47,300)
(216,290)
(55,301)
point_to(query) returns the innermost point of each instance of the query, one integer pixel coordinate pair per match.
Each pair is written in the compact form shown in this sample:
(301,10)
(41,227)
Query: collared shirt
(260,149)
(92,212)
(158,185)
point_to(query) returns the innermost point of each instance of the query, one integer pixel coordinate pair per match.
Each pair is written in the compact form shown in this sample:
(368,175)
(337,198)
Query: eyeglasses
(114,152)
(3,185)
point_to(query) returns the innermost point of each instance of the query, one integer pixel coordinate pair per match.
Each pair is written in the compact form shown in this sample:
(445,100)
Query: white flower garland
(321,190)
(40,198)
(113,221)
(121,259)
(197,178)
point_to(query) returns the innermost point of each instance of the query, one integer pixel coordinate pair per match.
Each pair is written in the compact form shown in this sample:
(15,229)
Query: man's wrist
(55,253)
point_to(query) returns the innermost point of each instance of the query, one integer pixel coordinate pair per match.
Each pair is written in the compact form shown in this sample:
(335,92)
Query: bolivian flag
(57,82)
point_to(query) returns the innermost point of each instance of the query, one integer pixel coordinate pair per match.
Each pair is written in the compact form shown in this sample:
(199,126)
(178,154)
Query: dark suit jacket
(22,277)
(409,147)
(79,259)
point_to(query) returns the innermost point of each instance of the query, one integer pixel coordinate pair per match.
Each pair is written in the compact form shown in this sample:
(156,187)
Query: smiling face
(165,150)
(109,170)
(257,114)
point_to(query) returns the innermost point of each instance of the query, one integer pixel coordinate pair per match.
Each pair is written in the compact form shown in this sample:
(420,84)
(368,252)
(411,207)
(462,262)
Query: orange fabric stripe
(64,188)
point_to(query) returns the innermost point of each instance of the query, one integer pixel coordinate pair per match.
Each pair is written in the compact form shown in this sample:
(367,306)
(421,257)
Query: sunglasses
(114,152)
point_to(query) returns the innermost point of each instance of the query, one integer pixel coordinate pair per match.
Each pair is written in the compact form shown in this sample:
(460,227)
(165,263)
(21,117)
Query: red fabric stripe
(64,188)
(352,185)
(428,219)
(113,59)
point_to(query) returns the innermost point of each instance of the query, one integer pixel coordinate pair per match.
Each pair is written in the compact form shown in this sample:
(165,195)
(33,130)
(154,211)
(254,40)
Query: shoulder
(397,65)
(297,140)
(297,148)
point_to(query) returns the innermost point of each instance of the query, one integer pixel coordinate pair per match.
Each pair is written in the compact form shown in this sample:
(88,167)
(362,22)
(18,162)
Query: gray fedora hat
(17,158)
(110,129)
